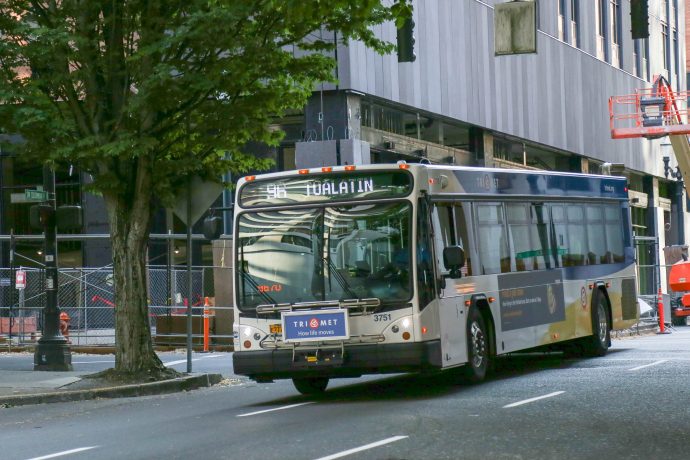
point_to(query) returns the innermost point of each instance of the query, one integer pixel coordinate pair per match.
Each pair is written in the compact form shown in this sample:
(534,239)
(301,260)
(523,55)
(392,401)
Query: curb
(107,349)
(190,382)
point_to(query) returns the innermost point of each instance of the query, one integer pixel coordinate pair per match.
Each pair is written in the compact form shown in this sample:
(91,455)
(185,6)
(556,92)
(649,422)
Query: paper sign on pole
(20,279)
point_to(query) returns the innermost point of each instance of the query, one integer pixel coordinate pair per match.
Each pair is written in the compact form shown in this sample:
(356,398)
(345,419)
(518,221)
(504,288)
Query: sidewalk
(21,385)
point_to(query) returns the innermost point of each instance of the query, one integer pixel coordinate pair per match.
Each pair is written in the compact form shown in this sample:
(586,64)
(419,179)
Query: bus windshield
(324,254)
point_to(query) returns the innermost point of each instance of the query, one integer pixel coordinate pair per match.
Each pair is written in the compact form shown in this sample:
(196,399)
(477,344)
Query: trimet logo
(314,323)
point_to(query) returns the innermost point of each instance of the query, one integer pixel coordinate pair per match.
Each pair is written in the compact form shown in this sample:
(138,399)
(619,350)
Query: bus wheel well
(483,306)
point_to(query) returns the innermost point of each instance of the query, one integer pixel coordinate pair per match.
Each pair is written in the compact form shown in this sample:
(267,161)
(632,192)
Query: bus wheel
(598,343)
(310,385)
(477,348)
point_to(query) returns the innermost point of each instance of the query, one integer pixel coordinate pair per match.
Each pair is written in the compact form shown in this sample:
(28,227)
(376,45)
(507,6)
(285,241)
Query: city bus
(351,270)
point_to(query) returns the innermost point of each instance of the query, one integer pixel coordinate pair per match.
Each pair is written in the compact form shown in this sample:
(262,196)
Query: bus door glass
(451,230)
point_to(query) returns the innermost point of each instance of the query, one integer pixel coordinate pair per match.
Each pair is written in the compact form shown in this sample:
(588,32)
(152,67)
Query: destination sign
(326,187)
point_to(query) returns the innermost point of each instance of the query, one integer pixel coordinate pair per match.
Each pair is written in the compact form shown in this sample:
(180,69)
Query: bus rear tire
(598,343)
(310,385)
(477,348)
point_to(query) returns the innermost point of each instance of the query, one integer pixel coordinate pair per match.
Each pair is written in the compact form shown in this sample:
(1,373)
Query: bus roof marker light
(350,168)
(303,171)
(326,169)
(492,299)
(249,178)
(468,303)
(403,166)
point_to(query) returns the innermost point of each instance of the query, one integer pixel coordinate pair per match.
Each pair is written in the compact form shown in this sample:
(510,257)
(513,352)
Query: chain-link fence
(87,295)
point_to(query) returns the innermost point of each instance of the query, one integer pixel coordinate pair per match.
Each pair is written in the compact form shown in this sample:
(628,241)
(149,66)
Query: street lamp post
(680,197)
(52,352)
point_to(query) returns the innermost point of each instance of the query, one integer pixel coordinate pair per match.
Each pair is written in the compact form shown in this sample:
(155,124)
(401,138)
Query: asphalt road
(633,403)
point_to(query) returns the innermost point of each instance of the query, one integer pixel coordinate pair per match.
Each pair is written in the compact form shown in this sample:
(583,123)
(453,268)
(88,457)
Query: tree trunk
(130,218)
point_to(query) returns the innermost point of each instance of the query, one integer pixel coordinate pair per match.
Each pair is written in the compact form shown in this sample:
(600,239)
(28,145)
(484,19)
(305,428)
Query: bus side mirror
(454,260)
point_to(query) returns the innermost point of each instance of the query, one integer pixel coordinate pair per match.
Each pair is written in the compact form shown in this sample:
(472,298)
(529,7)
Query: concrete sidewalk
(23,385)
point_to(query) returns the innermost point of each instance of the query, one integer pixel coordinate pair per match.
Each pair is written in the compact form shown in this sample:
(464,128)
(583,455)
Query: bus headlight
(406,323)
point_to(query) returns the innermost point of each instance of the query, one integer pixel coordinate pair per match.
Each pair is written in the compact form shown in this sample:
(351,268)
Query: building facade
(459,103)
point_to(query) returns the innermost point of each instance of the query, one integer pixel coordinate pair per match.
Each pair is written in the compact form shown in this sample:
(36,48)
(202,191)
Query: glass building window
(574,23)
(601,29)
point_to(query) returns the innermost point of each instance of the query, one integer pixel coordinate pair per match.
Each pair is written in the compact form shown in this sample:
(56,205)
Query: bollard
(660,308)
(206,325)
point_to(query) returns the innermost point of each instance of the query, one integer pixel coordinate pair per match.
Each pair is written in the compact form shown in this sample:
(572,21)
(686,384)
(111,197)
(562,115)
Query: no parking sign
(20,279)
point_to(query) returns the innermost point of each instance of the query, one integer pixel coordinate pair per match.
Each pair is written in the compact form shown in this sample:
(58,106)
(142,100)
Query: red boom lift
(653,113)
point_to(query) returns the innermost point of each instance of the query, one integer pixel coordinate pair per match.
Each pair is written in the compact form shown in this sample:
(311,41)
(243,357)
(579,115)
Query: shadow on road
(432,385)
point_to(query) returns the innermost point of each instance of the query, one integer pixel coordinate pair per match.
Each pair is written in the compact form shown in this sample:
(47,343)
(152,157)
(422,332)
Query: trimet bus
(351,270)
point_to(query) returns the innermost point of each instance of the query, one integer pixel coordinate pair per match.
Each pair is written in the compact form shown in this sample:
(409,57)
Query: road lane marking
(275,409)
(64,452)
(527,401)
(361,448)
(180,361)
(649,365)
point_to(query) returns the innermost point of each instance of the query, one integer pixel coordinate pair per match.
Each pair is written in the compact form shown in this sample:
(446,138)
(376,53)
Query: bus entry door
(453,329)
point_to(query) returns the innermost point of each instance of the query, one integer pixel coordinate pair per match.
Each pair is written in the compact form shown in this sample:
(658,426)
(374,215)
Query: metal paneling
(557,97)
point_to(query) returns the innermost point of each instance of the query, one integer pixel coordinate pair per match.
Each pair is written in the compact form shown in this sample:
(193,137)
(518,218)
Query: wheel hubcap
(478,345)
(603,324)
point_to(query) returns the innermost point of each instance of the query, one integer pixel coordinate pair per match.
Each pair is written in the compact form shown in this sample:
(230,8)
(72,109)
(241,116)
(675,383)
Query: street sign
(29,196)
(20,279)
(36,195)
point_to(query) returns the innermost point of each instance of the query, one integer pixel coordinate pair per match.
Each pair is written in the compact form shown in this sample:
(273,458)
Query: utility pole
(52,352)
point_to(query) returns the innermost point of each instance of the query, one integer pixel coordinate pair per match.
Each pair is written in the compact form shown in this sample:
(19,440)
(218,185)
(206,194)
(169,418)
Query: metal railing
(87,295)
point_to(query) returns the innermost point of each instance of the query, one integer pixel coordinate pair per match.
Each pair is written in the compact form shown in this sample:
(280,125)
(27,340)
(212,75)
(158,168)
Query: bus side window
(578,253)
(449,220)
(494,256)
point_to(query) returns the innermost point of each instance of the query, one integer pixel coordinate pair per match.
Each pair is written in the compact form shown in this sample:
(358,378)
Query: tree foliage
(143,93)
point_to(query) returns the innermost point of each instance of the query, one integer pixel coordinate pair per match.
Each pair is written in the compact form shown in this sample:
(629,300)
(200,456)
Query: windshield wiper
(340,278)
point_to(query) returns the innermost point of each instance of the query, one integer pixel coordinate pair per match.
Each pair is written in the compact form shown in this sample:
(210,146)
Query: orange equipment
(649,112)
(679,280)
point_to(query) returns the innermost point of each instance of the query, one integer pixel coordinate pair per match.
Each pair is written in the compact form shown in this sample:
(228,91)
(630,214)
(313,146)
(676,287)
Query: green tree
(144,93)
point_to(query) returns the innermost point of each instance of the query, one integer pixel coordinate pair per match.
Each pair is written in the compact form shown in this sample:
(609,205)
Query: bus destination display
(325,188)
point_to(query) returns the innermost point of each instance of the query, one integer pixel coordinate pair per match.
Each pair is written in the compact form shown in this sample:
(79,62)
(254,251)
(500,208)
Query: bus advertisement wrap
(530,299)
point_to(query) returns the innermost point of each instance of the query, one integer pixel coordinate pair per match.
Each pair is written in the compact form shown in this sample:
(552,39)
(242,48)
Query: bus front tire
(477,348)
(310,385)
(600,340)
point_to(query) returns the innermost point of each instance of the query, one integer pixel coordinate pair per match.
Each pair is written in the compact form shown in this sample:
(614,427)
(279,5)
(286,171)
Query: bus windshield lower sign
(315,325)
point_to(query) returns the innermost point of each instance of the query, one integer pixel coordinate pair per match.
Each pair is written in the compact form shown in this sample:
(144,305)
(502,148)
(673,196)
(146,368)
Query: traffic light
(639,18)
(41,215)
(406,42)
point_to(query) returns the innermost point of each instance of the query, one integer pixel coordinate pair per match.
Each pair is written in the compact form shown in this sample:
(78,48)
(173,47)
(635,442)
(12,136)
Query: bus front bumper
(356,360)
